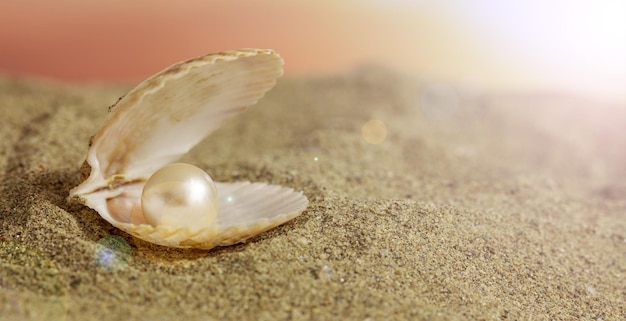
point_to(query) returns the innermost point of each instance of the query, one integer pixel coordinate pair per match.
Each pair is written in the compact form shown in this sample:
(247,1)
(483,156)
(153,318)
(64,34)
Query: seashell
(131,182)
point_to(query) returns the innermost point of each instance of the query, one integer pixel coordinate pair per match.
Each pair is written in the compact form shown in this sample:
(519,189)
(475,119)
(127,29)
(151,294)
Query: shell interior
(162,119)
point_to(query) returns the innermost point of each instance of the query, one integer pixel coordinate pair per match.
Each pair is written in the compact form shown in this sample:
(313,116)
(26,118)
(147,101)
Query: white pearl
(180,196)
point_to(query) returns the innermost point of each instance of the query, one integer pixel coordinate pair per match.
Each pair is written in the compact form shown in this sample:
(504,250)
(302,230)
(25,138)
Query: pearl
(180,196)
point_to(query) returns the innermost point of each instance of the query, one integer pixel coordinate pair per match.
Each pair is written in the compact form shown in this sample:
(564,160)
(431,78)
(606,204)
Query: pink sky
(491,44)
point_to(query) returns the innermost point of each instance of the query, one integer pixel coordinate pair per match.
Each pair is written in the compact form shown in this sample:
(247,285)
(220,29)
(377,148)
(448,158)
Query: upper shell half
(163,118)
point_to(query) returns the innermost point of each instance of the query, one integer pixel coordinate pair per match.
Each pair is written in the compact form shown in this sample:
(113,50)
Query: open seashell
(130,183)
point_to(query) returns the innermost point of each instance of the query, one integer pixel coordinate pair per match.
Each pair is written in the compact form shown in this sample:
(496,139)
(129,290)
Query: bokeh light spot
(374,131)
(439,101)
(112,253)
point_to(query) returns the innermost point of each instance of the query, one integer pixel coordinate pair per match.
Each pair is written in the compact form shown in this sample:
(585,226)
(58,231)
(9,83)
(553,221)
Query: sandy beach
(475,206)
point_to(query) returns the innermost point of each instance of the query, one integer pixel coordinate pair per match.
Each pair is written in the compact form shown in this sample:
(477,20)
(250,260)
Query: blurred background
(576,47)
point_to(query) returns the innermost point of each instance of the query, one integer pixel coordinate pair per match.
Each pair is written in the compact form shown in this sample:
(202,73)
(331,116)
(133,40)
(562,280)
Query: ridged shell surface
(162,119)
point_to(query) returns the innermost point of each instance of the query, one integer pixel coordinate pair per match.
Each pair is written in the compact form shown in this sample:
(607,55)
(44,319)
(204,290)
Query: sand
(506,207)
